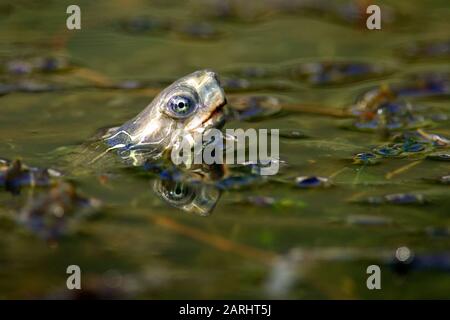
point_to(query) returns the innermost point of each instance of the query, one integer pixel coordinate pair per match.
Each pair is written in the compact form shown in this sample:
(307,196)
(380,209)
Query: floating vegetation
(318,73)
(311,182)
(422,262)
(253,72)
(405,149)
(6,88)
(437,232)
(17,67)
(334,72)
(27,66)
(387,151)
(51,64)
(368,103)
(422,137)
(261,167)
(424,85)
(405,198)
(151,25)
(397,199)
(407,145)
(233,10)
(421,141)
(236,182)
(439,156)
(427,50)
(235,84)
(349,12)
(50,214)
(386,96)
(33,86)
(391,116)
(365,220)
(199,30)
(412,147)
(445,179)
(29,86)
(271,202)
(253,107)
(366,158)
(130,84)
(261,201)
(292,134)
(436,140)
(16,175)
(143,24)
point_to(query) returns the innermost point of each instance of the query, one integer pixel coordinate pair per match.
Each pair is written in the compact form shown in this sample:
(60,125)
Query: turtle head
(191,104)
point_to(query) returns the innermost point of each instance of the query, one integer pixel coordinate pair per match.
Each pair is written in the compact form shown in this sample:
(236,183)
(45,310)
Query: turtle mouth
(216,118)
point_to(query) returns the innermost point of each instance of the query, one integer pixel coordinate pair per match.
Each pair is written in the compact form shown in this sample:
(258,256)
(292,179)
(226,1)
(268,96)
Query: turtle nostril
(212,75)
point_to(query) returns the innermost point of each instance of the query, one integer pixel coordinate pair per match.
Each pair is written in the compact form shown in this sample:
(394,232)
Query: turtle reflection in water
(194,192)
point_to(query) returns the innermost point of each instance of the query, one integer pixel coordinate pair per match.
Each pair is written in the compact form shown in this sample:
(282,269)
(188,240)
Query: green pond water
(313,243)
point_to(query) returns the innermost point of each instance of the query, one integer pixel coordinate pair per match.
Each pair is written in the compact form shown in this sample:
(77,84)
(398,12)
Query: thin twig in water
(93,76)
(392,174)
(317,110)
(358,173)
(266,257)
(336,173)
(356,196)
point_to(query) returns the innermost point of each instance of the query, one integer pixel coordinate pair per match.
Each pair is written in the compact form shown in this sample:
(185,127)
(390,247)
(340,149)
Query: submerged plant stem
(317,110)
(263,256)
(400,170)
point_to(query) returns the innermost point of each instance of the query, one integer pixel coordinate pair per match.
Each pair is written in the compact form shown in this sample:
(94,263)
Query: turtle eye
(176,193)
(181,106)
